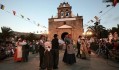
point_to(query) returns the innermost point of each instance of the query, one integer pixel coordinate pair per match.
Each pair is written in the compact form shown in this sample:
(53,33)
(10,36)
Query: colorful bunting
(88,21)
(114,3)
(97,19)
(100,12)
(14,12)
(28,19)
(22,16)
(2,6)
(107,5)
(92,21)
(44,26)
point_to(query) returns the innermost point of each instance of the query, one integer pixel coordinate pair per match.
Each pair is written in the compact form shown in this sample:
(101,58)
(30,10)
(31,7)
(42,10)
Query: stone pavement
(94,63)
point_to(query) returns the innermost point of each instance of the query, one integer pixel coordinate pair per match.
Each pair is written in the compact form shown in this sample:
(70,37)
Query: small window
(67,14)
(62,14)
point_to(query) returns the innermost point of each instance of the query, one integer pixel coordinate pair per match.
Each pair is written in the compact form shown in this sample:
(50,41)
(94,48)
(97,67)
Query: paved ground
(94,63)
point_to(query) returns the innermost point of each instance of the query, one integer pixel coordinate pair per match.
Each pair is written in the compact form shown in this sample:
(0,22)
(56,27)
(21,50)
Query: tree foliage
(7,32)
(31,37)
(99,31)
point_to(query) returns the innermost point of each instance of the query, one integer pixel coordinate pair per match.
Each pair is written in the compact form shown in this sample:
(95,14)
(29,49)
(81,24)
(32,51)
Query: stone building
(65,21)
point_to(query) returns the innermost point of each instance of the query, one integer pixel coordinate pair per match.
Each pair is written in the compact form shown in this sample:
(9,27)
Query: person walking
(78,47)
(55,51)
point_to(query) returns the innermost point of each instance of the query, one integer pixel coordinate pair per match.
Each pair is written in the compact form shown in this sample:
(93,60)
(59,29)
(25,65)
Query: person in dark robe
(48,56)
(25,51)
(55,51)
(78,47)
(41,52)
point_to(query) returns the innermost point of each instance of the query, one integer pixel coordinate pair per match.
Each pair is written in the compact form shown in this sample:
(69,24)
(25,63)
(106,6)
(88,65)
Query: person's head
(19,39)
(42,37)
(55,35)
(79,36)
(24,40)
(69,36)
(66,35)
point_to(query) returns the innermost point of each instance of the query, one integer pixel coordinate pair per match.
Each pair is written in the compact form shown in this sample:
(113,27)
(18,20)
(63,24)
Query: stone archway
(63,35)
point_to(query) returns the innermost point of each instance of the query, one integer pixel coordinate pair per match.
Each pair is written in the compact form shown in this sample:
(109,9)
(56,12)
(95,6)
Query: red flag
(114,3)
(14,12)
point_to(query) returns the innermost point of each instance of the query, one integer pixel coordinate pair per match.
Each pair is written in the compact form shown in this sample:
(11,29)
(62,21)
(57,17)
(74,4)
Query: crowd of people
(109,47)
(49,50)
(6,50)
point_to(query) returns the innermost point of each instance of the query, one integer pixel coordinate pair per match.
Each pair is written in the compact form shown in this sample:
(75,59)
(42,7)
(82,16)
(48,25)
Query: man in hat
(55,51)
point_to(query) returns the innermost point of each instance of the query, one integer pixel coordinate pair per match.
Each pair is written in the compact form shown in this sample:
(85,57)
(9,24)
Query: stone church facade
(65,21)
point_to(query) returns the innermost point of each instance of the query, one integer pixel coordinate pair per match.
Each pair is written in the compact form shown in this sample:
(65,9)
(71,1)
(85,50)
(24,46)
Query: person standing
(18,50)
(48,56)
(78,47)
(55,51)
(41,52)
(84,49)
(25,51)
(69,55)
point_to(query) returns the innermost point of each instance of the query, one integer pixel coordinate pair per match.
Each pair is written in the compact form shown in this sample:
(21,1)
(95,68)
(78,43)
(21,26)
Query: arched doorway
(63,35)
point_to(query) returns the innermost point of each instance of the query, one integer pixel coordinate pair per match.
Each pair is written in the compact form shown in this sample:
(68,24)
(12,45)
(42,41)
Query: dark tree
(7,32)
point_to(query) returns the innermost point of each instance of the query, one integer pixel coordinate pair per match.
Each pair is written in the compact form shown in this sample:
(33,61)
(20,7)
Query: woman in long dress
(84,49)
(69,55)
(48,56)
(18,50)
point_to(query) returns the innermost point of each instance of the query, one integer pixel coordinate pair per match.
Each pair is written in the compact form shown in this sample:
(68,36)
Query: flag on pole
(88,21)
(22,16)
(107,5)
(114,3)
(14,12)
(100,12)
(28,19)
(2,6)
(92,21)
(97,19)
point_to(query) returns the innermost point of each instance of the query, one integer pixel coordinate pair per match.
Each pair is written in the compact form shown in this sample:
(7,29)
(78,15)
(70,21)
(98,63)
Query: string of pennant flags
(2,7)
(114,3)
(97,19)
